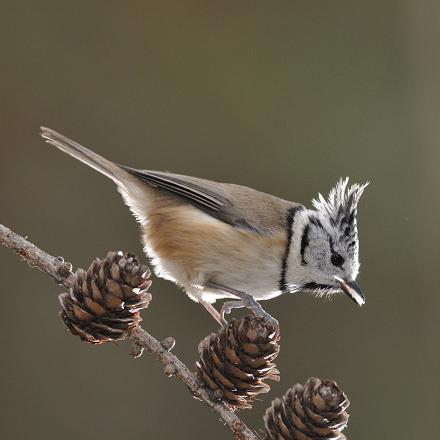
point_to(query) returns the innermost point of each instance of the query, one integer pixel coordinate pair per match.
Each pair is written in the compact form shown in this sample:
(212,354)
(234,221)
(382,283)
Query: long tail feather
(90,158)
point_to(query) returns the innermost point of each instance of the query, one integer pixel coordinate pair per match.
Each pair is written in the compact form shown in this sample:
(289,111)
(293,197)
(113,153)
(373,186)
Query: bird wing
(236,205)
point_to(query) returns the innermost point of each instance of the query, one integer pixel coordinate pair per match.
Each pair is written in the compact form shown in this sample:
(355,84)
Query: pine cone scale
(114,289)
(240,374)
(231,356)
(222,380)
(81,314)
(96,292)
(94,307)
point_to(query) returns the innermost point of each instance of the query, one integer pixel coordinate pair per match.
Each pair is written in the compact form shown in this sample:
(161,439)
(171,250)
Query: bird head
(327,254)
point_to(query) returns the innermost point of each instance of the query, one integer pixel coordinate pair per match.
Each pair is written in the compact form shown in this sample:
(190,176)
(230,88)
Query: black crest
(341,208)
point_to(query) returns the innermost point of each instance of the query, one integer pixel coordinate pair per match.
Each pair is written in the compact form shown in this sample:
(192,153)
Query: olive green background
(283,96)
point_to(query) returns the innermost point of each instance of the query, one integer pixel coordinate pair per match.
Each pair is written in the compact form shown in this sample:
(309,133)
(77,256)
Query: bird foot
(244,300)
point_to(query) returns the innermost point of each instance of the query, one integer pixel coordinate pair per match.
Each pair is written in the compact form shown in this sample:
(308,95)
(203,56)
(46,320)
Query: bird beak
(352,290)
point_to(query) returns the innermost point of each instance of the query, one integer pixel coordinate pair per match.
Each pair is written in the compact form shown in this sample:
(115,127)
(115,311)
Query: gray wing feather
(236,205)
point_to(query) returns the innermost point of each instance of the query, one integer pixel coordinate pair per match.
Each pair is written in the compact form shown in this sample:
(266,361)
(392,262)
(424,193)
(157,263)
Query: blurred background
(285,97)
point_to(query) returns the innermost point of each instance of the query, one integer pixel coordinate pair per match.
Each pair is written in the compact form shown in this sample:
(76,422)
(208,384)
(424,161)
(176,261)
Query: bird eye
(337,259)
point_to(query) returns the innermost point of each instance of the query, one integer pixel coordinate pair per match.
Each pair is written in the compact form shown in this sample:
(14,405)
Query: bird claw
(250,303)
(243,300)
(227,308)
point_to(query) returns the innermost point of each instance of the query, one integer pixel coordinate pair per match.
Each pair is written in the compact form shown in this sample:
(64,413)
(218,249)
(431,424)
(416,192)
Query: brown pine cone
(104,303)
(310,412)
(236,361)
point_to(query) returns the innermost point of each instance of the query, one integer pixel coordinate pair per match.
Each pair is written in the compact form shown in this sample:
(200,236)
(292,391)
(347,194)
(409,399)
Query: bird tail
(90,158)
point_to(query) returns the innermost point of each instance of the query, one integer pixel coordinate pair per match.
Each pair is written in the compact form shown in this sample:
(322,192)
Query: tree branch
(61,272)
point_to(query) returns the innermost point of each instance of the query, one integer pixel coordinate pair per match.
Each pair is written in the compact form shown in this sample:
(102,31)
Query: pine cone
(313,411)
(235,362)
(104,303)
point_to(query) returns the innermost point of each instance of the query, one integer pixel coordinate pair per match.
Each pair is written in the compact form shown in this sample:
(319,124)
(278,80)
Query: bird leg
(213,312)
(245,299)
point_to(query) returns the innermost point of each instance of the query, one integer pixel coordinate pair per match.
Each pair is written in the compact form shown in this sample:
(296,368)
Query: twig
(61,272)
(173,366)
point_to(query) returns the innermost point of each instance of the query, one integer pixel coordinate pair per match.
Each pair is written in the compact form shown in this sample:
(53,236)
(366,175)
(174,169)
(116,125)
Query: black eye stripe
(336,258)
(304,243)
(330,242)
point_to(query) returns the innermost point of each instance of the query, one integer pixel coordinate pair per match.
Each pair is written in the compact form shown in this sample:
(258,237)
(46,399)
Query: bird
(222,241)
